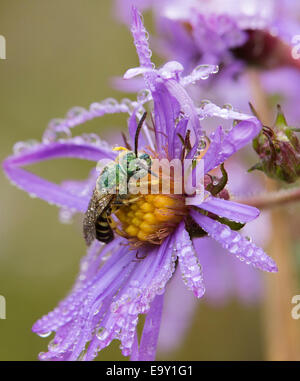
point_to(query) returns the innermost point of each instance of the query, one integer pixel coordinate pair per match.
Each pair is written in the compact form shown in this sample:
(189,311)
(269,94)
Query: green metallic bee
(111,191)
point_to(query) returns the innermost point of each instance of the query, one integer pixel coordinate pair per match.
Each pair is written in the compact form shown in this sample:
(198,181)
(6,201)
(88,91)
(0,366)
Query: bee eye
(146,157)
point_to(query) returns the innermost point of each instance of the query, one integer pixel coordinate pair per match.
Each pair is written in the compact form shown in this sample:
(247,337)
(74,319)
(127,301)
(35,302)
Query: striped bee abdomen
(104,232)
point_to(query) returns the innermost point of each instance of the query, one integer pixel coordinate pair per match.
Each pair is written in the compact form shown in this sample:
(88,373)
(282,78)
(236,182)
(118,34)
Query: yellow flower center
(151,218)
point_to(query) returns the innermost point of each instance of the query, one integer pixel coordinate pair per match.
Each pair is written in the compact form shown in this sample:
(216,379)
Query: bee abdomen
(104,232)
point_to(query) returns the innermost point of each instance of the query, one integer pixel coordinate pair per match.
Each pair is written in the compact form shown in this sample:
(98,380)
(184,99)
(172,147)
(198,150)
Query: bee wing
(97,205)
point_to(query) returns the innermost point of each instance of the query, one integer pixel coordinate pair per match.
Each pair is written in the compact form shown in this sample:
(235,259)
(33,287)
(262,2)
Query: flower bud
(279,150)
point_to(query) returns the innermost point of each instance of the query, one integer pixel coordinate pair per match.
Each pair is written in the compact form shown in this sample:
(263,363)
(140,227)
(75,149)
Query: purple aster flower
(127,277)
(235,36)
(220,32)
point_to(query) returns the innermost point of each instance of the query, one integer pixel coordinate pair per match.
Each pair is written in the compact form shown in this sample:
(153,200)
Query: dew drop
(20,147)
(64,311)
(102,333)
(110,102)
(204,102)
(65,216)
(60,133)
(42,356)
(143,95)
(202,145)
(52,345)
(75,112)
(97,108)
(98,309)
(54,123)
(129,104)
(227,106)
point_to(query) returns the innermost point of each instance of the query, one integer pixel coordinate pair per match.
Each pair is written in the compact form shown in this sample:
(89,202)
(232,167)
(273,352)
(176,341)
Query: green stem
(272,199)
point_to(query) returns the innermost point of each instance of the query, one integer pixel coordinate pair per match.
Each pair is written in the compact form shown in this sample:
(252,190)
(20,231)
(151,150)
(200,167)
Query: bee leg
(130,201)
(122,234)
(113,225)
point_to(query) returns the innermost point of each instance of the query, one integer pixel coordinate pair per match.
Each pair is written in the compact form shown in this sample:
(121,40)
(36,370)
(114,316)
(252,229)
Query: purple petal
(237,245)
(80,188)
(223,145)
(46,190)
(107,298)
(166,110)
(111,268)
(148,344)
(172,69)
(189,265)
(175,145)
(76,321)
(135,349)
(133,72)
(50,192)
(229,209)
(200,72)
(169,96)
(212,110)
(148,280)
(140,36)
(122,8)
(125,86)
(186,105)
(42,152)
(78,115)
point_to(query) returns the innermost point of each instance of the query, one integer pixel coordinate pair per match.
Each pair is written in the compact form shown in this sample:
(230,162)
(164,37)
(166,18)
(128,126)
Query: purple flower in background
(236,36)
(114,286)
(221,32)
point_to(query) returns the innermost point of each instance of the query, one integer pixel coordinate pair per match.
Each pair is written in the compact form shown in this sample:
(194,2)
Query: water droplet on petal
(204,102)
(75,112)
(42,356)
(97,108)
(60,133)
(129,104)
(54,123)
(102,333)
(52,345)
(143,95)
(110,102)
(20,147)
(98,309)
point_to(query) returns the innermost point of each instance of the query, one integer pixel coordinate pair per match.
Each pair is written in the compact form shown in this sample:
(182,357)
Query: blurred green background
(61,54)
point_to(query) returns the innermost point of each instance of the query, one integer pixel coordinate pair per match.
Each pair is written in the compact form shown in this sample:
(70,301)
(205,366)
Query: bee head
(135,165)
(145,157)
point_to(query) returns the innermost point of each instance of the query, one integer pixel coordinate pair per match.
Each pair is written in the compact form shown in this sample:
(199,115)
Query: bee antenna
(137,133)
